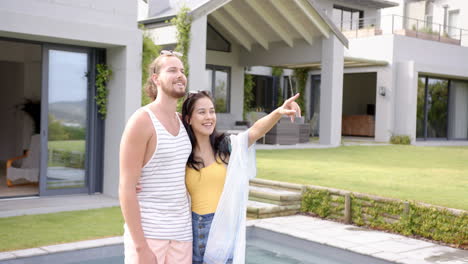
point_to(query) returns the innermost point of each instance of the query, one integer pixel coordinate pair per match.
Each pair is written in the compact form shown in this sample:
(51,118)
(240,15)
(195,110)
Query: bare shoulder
(139,124)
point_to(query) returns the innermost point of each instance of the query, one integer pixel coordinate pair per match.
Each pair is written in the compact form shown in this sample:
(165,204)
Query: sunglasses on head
(171,52)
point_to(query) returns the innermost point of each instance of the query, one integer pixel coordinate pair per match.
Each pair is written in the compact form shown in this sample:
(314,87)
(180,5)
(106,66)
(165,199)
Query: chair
(28,170)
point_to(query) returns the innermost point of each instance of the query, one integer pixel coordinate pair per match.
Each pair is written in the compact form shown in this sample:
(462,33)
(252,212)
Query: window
(348,18)
(289,87)
(264,93)
(429,20)
(216,41)
(219,82)
(453,18)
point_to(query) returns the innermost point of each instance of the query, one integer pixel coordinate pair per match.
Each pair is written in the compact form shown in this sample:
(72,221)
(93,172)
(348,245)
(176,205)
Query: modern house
(49,51)
(229,36)
(420,85)
(402,72)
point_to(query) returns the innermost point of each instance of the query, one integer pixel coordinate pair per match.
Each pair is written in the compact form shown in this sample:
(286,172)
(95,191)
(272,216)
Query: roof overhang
(260,22)
(349,62)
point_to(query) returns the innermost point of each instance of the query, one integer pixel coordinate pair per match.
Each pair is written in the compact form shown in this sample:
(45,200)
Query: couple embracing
(183,186)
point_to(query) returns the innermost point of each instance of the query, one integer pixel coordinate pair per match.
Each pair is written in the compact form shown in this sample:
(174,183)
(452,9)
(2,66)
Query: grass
(47,229)
(68,145)
(435,175)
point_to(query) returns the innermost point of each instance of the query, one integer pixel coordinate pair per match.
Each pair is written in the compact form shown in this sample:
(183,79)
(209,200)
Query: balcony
(400,25)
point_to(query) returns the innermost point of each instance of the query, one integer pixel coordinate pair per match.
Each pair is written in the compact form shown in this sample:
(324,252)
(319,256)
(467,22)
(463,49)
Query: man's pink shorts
(166,251)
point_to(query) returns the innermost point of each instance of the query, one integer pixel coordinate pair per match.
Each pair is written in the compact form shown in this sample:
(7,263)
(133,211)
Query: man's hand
(145,256)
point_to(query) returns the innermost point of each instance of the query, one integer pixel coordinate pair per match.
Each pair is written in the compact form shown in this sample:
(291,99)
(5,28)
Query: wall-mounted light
(382,90)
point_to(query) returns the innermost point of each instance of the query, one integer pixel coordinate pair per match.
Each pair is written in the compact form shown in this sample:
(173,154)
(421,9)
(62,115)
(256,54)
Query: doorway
(56,148)
(20,84)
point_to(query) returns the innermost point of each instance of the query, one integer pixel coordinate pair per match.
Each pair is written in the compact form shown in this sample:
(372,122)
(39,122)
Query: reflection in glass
(315,105)
(67,119)
(432,108)
(220,93)
(420,107)
(209,78)
(437,108)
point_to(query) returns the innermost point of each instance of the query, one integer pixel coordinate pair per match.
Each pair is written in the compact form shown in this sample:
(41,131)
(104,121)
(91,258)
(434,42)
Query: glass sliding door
(432,112)
(421,109)
(315,104)
(65,100)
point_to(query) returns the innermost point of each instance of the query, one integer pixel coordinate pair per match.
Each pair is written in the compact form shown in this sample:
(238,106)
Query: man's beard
(174,93)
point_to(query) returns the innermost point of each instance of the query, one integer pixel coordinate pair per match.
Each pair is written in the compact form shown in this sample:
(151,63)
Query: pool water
(263,247)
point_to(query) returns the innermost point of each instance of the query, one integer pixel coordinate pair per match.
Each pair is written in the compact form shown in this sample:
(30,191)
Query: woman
(218,161)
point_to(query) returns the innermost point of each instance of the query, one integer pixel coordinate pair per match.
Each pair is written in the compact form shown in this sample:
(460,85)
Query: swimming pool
(263,246)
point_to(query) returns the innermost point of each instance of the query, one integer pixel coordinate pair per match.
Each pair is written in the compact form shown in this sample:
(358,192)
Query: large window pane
(432,108)
(221,88)
(219,85)
(68,86)
(347,18)
(437,108)
(215,41)
(420,107)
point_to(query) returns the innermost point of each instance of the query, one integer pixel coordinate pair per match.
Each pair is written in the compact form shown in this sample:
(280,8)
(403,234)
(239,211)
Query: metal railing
(401,25)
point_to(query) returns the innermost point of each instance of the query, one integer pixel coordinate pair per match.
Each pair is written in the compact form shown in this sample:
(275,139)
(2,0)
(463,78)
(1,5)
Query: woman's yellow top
(206,186)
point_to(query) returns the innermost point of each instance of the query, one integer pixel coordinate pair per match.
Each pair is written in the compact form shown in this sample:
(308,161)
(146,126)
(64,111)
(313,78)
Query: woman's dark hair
(219,141)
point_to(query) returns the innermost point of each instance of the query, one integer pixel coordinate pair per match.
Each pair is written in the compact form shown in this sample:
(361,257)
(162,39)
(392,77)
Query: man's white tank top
(164,204)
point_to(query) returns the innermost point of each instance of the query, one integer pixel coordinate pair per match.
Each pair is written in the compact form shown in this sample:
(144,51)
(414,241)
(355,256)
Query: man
(153,153)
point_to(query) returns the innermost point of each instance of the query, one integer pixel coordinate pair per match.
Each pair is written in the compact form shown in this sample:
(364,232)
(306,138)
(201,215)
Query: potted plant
(33,109)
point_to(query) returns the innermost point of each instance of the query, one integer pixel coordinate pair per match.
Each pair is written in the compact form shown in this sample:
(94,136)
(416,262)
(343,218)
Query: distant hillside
(69,112)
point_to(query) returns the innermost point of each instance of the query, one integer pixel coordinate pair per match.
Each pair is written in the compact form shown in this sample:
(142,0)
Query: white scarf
(227,232)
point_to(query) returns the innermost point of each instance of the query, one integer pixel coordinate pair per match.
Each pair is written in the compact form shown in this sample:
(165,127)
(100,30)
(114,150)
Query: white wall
(405,103)
(461,5)
(163,34)
(231,59)
(142,10)
(300,53)
(432,56)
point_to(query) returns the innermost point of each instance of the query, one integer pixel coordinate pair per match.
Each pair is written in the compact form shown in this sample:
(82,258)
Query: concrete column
(406,99)
(383,105)
(331,91)
(124,99)
(197,55)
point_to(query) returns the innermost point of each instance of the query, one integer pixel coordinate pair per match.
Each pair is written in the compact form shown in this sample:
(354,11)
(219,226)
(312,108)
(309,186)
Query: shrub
(400,139)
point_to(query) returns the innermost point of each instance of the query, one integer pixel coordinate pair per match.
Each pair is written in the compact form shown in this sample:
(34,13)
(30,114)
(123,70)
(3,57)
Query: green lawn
(47,229)
(435,175)
(68,145)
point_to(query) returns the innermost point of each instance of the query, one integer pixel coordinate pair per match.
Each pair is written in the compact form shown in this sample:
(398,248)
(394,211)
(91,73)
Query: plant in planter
(33,109)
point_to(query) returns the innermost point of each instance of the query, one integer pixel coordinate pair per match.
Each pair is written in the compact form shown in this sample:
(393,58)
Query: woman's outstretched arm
(263,125)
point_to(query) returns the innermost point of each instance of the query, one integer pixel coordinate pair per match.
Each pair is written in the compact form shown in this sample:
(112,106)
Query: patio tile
(366,237)
(28,252)
(366,250)
(401,245)
(6,255)
(388,256)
